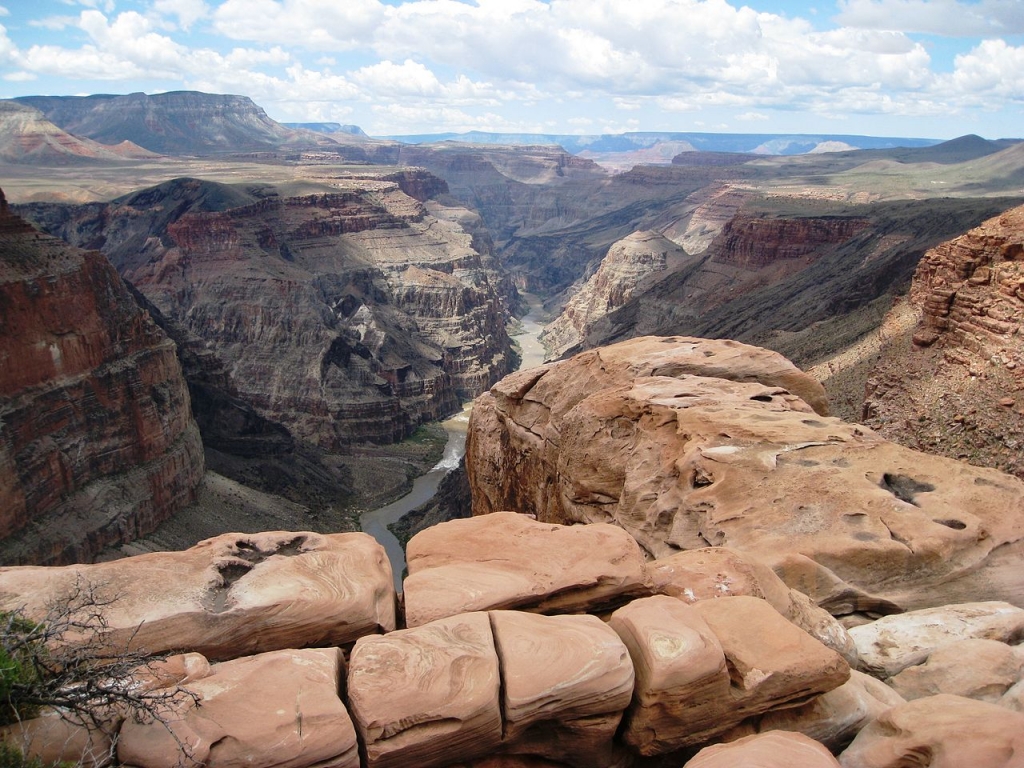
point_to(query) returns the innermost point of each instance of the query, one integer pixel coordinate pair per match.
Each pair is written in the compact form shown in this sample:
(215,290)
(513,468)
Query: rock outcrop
(227,596)
(629,265)
(97,440)
(770,750)
(957,387)
(507,560)
(352,315)
(652,435)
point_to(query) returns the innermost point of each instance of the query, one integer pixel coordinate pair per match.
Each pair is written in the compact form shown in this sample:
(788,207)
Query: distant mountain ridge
(760,143)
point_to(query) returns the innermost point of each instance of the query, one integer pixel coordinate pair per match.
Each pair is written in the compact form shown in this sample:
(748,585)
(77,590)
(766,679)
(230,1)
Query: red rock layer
(97,440)
(958,389)
(752,242)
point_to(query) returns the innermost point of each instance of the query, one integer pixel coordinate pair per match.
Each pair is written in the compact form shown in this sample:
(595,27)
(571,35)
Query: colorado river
(376,522)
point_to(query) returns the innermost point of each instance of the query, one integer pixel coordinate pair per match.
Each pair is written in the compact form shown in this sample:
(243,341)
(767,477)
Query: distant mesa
(352,130)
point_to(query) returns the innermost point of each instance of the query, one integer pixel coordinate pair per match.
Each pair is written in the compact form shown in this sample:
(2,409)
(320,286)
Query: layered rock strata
(352,315)
(625,270)
(653,436)
(227,596)
(957,387)
(97,440)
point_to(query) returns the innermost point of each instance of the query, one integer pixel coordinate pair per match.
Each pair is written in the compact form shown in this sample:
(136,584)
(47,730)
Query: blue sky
(926,68)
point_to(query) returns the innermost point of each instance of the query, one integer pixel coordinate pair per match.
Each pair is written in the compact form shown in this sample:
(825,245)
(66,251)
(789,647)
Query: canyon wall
(97,440)
(351,315)
(954,385)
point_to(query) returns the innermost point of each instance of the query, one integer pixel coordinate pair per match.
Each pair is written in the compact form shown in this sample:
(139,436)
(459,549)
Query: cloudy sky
(926,68)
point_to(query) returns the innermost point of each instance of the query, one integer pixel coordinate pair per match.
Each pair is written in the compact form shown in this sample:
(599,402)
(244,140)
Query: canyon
(670,545)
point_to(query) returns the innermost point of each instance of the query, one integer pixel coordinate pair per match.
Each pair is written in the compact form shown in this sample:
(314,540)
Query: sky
(912,68)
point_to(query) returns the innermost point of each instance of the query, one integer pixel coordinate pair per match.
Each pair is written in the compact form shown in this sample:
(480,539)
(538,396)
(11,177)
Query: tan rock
(691,461)
(53,739)
(976,669)
(834,718)
(704,668)
(506,560)
(279,709)
(228,596)
(940,732)
(566,682)
(893,643)
(711,572)
(427,696)
(778,749)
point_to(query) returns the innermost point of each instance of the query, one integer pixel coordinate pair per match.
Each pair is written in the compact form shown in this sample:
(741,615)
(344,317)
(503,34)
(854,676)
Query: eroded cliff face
(97,440)
(956,387)
(352,315)
(628,266)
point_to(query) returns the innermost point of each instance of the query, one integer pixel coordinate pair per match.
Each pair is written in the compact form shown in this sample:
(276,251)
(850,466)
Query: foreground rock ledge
(228,596)
(628,434)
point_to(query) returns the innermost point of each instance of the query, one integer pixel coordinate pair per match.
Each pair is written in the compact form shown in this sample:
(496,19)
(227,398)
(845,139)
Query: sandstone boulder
(685,461)
(55,740)
(275,710)
(507,560)
(834,718)
(702,669)
(893,643)
(940,732)
(566,681)
(228,596)
(778,749)
(427,696)
(711,572)
(976,669)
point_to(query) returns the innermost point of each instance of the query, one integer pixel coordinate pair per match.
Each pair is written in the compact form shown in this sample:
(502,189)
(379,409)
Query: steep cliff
(351,315)
(802,277)
(97,440)
(629,266)
(955,386)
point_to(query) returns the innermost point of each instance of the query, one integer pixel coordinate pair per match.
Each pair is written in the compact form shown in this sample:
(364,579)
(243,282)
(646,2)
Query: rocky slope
(954,383)
(802,277)
(97,440)
(28,137)
(629,264)
(352,315)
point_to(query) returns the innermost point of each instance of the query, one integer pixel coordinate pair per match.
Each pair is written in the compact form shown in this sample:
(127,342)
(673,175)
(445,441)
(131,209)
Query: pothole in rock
(245,557)
(904,488)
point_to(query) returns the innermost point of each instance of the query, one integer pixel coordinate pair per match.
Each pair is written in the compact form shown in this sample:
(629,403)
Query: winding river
(376,521)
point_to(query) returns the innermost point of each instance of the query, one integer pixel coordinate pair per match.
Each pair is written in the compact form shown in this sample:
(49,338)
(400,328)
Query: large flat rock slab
(427,696)
(229,596)
(274,710)
(506,560)
(690,457)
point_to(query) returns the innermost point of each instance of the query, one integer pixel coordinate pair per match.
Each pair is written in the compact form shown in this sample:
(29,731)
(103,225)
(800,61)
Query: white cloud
(4,11)
(993,68)
(752,117)
(324,25)
(188,12)
(954,18)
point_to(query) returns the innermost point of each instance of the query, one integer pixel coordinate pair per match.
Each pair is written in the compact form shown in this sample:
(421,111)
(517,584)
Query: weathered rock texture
(702,669)
(305,724)
(427,696)
(97,440)
(351,315)
(507,560)
(893,643)
(958,388)
(977,669)
(770,750)
(642,435)
(227,596)
(941,732)
(628,266)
